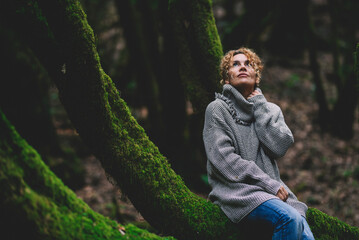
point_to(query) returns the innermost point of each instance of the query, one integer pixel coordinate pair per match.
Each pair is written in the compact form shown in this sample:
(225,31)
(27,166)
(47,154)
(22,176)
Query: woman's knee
(291,217)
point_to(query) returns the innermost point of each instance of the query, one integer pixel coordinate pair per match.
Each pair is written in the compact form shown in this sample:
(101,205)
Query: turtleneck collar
(241,109)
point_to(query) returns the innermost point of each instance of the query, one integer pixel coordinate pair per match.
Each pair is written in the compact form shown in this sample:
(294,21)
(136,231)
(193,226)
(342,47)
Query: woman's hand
(282,194)
(254,93)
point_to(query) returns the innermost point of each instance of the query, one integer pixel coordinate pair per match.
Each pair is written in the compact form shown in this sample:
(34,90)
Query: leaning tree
(65,44)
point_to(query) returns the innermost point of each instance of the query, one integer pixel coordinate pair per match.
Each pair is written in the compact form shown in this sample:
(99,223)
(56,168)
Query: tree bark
(172,98)
(338,120)
(104,122)
(347,100)
(24,98)
(324,112)
(141,68)
(199,49)
(35,204)
(24,95)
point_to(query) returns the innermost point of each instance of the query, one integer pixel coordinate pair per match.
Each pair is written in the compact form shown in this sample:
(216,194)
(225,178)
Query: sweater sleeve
(230,165)
(272,131)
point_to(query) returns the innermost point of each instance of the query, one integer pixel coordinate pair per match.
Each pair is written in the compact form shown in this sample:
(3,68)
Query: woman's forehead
(240,57)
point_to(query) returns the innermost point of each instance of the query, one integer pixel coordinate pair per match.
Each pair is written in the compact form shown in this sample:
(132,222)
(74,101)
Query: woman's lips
(243,75)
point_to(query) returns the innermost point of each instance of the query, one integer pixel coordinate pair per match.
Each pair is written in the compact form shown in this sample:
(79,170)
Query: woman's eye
(235,64)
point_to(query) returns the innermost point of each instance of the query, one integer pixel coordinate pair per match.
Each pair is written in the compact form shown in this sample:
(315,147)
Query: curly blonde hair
(254,60)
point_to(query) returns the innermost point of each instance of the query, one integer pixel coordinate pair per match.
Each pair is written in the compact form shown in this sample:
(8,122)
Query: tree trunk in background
(140,65)
(24,98)
(344,109)
(343,115)
(104,122)
(173,100)
(24,95)
(154,30)
(35,204)
(333,6)
(323,112)
(340,118)
(199,51)
(249,25)
(356,66)
(288,34)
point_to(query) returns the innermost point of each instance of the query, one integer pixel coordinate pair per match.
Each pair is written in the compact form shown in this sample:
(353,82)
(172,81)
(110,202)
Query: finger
(281,197)
(282,194)
(285,196)
(285,193)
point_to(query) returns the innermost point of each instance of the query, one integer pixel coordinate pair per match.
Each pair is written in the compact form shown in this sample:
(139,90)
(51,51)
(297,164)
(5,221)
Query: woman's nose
(242,68)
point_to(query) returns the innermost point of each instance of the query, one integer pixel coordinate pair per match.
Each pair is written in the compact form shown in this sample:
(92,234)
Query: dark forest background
(308,50)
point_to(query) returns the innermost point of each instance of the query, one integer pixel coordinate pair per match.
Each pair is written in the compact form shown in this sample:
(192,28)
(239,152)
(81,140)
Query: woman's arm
(230,165)
(270,126)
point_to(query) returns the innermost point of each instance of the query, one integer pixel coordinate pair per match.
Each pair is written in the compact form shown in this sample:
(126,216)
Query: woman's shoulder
(217,111)
(217,105)
(273,107)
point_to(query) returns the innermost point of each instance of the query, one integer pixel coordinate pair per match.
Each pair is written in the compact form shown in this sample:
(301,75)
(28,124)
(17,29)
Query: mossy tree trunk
(35,204)
(140,65)
(199,51)
(104,122)
(24,98)
(173,101)
(151,45)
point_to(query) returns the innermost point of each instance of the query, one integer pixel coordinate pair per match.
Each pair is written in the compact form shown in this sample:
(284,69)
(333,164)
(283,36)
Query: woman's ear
(257,83)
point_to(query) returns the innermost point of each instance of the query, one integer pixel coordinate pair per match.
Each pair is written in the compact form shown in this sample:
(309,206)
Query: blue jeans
(275,219)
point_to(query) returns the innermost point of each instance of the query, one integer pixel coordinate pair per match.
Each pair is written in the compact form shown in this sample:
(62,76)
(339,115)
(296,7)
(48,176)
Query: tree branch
(104,122)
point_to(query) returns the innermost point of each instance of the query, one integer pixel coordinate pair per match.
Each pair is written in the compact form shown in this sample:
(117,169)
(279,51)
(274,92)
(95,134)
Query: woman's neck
(245,91)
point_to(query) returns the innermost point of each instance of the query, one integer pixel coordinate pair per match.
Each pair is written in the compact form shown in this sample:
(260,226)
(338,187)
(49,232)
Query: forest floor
(322,170)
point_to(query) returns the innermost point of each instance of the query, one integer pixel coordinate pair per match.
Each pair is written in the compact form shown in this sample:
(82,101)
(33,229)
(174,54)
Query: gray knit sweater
(242,139)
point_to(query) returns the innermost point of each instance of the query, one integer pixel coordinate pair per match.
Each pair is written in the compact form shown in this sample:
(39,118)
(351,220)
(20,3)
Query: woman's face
(241,75)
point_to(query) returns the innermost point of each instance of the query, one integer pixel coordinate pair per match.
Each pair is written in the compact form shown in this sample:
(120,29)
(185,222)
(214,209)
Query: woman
(243,135)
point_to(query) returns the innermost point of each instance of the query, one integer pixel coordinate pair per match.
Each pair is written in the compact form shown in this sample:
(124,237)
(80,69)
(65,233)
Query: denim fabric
(275,219)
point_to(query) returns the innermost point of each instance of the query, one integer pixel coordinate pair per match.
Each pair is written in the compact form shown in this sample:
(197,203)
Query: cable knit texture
(242,139)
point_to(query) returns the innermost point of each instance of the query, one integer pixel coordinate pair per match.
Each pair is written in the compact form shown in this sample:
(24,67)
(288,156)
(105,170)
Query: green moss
(105,124)
(199,49)
(327,227)
(44,201)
